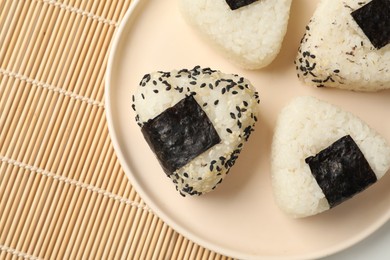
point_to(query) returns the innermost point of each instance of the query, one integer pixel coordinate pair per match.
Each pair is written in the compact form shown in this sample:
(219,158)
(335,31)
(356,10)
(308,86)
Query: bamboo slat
(63,193)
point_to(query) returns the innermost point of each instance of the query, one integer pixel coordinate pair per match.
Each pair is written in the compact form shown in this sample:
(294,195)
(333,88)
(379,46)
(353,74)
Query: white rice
(305,127)
(250,36)
(220,103)
(335,52)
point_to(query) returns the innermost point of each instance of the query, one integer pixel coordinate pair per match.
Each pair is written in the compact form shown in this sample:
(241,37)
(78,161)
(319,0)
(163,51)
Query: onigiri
(347,45)
(323,156)
(196,121)
(248,33)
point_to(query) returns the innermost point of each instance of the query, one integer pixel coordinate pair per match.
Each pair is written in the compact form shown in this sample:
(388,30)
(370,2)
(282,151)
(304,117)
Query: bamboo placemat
(63,194)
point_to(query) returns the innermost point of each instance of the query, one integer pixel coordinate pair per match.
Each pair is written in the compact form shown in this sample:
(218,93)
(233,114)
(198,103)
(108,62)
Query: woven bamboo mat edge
(63,194)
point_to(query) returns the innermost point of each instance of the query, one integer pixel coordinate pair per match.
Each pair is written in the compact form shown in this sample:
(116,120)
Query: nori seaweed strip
(235,4)
(374,19)
(179,134)
(341,170)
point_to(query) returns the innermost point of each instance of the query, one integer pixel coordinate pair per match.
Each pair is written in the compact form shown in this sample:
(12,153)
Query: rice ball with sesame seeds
(196,122)
(347,45)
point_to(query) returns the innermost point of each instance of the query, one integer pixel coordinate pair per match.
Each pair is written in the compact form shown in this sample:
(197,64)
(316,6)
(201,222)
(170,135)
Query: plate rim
(134,7)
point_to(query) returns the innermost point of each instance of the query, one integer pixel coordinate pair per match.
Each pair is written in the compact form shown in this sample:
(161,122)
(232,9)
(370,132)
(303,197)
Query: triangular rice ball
(322,155)
(250,36)
(347,46)
(196,122)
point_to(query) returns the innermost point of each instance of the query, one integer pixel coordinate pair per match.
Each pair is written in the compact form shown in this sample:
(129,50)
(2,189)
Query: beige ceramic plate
(239,218)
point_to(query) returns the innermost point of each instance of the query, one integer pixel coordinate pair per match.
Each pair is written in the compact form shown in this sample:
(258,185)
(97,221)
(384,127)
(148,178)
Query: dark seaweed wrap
(374,19)
(341,170)
(235,4)
(179,134)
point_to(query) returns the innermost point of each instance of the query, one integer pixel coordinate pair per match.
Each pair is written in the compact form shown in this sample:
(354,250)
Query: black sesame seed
(327,79)
(183,71)
(166,83)
(216,102)
(179,89)
(316,80)
(155,91)
(228,87)
(229,130)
